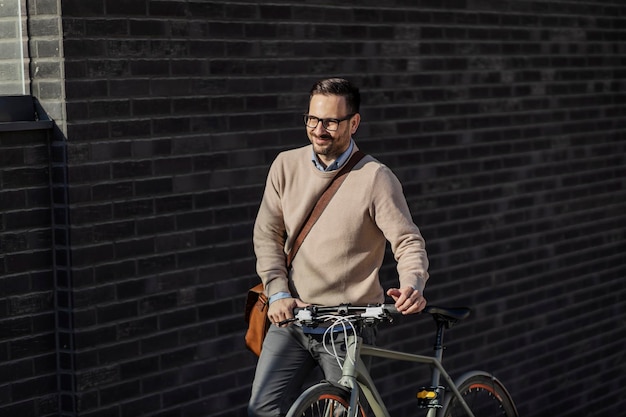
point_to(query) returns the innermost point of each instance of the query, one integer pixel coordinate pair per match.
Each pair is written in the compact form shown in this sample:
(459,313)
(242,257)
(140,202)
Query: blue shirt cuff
(278,296)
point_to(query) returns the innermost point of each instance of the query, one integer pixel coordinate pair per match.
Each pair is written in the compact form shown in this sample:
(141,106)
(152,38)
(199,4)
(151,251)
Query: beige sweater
(339,260)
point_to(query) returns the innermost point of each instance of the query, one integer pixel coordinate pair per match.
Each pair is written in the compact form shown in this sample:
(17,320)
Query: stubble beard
(326,150)
(323,150)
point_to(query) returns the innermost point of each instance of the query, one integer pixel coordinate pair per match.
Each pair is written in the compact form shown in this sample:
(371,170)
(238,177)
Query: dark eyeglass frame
(325,122)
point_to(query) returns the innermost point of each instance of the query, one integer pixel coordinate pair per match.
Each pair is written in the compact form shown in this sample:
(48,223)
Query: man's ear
(354,123)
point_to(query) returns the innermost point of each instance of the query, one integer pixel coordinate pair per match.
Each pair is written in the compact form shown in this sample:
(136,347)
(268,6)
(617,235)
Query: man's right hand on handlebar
(281,310)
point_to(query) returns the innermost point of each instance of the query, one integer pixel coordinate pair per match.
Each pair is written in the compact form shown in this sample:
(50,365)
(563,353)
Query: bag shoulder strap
(323,201)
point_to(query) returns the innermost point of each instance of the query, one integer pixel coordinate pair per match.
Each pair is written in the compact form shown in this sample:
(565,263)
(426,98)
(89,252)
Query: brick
(154,186)
(25,409)
(132,7)
(93,254)
(275,12)
(177,357)
(33,387)
(144,405)
(97,376)
(24,176)
(139,367)
(107,191)
(20,262)
(226,30)
(30,304)
(162,223)
(90,338)
(130,128)
(85,298)
(116,311)
(168,8)
(114,271)
(133,208)
(169,320)
(32,346)
(134,328)
(158,382)
(120,391)
(171,166)
(180,395)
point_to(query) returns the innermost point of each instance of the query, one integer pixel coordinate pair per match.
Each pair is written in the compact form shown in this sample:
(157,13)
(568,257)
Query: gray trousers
(287,359)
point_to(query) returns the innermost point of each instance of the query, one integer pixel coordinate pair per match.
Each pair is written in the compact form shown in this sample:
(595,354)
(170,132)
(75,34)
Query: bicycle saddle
(448,316)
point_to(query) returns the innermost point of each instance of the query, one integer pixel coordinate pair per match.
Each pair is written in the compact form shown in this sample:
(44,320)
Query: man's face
(329,145)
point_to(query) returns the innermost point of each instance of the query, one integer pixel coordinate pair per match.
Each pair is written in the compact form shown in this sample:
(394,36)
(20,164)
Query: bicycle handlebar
(445,316)
(316,314)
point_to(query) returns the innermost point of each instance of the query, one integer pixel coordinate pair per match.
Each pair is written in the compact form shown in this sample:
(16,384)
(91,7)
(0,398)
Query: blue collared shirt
(337,163)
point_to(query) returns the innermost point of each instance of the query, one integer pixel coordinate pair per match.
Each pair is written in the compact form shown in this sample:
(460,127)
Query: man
(339,260)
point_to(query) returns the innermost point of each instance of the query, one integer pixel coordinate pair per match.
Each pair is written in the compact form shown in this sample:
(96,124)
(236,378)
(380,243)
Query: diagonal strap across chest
(321,204)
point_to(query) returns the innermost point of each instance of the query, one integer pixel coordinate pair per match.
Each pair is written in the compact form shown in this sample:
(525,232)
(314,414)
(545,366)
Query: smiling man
(327,135)
(339,260)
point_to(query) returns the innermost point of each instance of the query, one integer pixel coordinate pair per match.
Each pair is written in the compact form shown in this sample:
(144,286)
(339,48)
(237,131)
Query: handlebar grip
(391,308)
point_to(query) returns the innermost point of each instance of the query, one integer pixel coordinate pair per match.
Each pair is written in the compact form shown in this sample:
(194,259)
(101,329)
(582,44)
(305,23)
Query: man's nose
(319,129)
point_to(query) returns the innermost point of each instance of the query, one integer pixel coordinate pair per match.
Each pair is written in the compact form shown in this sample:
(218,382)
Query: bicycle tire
(323,400)
(485,396)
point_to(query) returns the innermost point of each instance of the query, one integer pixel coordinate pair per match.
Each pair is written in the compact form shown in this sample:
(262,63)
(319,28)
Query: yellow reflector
(426,394)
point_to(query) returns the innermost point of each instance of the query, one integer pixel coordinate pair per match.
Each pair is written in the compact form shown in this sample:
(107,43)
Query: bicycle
(475,394)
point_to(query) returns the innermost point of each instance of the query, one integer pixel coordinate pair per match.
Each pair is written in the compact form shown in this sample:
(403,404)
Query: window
(13,48)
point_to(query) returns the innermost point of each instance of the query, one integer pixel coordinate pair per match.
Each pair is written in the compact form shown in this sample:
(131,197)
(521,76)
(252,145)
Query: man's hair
(339,87)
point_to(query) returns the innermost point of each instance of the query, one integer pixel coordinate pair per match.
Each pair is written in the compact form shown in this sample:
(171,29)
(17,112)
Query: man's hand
(282,309)
(408,300)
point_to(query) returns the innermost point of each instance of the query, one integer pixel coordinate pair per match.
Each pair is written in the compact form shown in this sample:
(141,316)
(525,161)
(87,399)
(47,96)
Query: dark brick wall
(27,315)
(504,121)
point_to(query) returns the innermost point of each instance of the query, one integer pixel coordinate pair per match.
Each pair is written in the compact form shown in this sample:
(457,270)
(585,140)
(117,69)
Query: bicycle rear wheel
(485,396)
(323,400)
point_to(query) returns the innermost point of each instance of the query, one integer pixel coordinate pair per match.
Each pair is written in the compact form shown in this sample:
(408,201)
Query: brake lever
(282,323)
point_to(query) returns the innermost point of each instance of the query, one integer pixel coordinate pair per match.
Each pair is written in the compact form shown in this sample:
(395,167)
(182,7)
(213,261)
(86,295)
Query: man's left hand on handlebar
(407,299)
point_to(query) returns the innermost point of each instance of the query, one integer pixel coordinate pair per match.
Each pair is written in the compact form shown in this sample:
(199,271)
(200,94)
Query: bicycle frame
(355,375)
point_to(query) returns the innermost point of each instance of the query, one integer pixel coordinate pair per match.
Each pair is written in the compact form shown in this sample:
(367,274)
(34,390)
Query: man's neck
(323,161)
(330,164)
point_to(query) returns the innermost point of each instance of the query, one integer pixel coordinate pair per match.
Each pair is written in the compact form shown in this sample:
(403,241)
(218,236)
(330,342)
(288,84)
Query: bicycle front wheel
(323,400)
(485,396)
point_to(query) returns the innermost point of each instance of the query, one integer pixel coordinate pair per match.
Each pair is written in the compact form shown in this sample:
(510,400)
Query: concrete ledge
(18,113)
(21,126)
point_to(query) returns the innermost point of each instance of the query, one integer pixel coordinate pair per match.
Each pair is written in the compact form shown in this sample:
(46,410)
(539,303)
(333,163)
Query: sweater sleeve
(269,236)
(391,214)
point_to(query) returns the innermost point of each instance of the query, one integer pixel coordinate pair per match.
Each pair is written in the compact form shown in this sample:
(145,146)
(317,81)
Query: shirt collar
(337,163)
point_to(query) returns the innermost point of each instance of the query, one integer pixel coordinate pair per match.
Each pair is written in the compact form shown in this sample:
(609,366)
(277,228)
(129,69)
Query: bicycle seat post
(438,348)
(445,318)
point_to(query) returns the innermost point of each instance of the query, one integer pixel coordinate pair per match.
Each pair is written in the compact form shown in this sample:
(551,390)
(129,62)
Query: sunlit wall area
(13,62)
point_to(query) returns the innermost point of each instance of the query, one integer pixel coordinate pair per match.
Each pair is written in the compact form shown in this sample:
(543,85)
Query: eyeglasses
(329,124)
